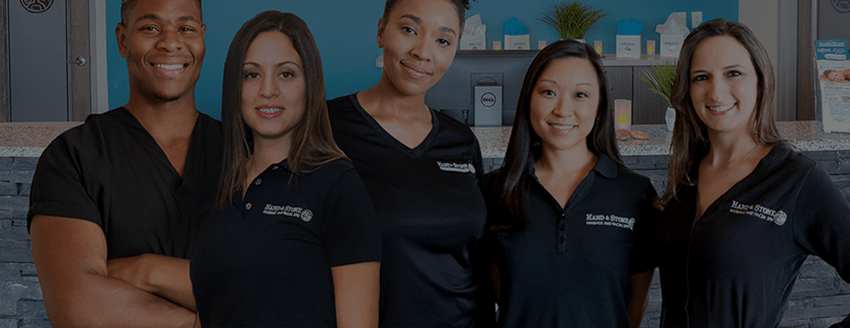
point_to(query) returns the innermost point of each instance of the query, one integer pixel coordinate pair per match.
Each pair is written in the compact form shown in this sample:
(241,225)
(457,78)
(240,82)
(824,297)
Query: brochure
(833,84)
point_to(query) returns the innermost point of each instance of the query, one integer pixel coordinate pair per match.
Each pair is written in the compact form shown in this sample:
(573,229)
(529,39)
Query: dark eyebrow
(158,18)
(278,65)
(725,68)
(418,20)
(448,30)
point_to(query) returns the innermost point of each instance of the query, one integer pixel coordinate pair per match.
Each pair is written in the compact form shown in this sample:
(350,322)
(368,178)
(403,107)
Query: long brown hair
(508,184)
(312,141)
(690,136)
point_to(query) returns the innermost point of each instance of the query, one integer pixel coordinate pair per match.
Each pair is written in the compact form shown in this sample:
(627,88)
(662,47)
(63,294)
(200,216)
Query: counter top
(608,60)
(806,135)
(30,139)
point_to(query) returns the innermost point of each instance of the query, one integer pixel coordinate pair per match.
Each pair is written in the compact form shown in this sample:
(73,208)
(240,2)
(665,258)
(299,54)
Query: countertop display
(30,139)
(607,59)
(806,135)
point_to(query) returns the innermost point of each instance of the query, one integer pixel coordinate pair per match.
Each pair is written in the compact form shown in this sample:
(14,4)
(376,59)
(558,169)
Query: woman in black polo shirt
(421,169)
(568,225)
(742,208)
(294,241)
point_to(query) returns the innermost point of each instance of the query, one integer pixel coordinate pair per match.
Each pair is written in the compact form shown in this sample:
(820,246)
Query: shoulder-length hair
(508,184)
(312,140)
(690,136)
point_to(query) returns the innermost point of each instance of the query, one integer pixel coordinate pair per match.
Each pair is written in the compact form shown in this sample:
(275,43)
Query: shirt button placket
(562,233)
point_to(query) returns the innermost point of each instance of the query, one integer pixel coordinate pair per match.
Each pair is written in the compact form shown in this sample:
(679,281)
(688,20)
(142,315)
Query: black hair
(507,189)
(461,6)
(127,5)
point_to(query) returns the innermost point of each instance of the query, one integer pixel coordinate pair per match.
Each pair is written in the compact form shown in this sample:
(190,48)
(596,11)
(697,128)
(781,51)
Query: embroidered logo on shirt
(610,220)
(457,167)
(758,211)
(297,212)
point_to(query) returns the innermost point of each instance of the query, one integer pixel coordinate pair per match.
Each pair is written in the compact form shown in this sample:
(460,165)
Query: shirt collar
(605,166)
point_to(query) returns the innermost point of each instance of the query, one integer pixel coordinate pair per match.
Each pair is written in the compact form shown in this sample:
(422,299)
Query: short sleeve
(353,232)
(59,186)
(644,254)
(822,221)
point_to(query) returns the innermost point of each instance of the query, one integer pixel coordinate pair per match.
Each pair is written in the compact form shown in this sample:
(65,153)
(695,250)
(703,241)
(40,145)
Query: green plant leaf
(660,79)
(572,20)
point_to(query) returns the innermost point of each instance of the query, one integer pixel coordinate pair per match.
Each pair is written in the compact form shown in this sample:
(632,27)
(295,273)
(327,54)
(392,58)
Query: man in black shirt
(112,200)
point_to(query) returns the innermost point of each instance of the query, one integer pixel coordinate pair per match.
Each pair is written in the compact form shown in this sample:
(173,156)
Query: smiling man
(113,200)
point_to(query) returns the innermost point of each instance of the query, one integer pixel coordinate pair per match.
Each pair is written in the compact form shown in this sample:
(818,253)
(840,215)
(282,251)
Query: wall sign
(842,6)
(36,6)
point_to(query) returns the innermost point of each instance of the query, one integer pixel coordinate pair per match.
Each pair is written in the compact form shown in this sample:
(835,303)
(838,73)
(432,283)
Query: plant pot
(579,40)
(670,118)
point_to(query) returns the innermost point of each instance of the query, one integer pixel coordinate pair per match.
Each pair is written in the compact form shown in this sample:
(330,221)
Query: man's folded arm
(70,257)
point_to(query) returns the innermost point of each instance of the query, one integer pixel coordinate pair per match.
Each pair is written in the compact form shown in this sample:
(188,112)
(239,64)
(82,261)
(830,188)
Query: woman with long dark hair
(570,225)
(742,208)
(421,169)
(293,240)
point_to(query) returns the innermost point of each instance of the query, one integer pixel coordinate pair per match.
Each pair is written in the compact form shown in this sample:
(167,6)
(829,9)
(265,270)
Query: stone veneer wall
(21,303)
(819,299)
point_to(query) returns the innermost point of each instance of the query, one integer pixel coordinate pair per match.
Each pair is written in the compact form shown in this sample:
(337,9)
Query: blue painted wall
(346,34)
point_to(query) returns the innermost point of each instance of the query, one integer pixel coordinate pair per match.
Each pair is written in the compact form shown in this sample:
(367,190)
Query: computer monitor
(453,94)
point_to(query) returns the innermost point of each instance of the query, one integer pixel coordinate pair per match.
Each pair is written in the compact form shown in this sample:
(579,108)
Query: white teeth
(172,66)
(720,108)
(563,127)
(270,110)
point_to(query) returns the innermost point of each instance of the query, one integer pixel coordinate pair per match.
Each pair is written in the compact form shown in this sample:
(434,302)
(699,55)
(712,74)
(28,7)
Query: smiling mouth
(169,66)
(269,110)
(416,72)
(563,127)
(720,109)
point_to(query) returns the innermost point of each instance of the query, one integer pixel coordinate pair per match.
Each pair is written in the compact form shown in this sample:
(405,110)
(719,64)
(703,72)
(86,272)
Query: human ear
(382,25)
(121,36)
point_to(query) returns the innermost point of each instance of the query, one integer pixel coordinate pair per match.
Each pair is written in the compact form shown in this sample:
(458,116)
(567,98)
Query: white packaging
(671,44)
(517,42)
(628,46)
(474,34)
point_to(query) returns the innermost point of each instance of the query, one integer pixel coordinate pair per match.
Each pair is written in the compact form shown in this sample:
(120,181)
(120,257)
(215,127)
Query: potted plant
(572,20)
(660,79)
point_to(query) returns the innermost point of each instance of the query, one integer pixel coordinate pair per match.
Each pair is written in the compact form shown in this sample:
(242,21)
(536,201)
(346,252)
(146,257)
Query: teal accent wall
(346,31)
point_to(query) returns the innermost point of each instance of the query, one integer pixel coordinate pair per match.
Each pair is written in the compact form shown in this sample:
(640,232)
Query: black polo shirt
(736,266)
(111,171)
(570,266)
(266,261)
(431,211)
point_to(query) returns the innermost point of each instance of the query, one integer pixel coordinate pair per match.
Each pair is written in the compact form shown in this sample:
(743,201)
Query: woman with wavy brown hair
(742,208)
(294,240)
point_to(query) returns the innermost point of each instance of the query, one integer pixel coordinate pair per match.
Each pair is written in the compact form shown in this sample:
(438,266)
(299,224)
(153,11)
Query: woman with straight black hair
(742,209)
(293,241)
(569,227)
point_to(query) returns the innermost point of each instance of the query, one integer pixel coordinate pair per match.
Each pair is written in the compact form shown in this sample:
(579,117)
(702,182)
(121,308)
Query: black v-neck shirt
(737,265)
(111,171)
(431,213)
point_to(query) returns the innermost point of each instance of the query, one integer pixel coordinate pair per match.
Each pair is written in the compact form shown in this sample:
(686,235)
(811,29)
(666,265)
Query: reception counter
(30,139)
(808,136)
